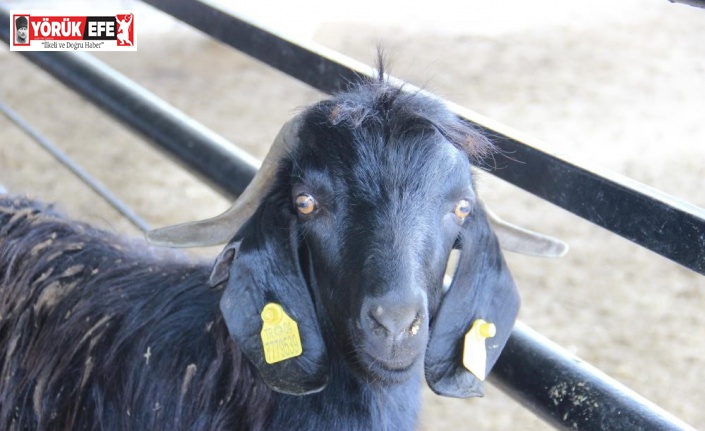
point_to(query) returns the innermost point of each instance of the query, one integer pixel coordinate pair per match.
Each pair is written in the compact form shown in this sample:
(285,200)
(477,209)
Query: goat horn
(520,240)
(220,229)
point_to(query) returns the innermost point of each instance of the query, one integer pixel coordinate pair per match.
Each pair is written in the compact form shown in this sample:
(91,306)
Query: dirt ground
(622,87)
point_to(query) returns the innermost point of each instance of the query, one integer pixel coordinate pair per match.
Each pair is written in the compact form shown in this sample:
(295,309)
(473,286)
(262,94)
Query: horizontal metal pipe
(569,393)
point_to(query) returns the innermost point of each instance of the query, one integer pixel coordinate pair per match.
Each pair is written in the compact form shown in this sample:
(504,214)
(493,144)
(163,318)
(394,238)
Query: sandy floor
(621,87)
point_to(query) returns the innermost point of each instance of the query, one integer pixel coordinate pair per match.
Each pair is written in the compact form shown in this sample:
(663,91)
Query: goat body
(352,239)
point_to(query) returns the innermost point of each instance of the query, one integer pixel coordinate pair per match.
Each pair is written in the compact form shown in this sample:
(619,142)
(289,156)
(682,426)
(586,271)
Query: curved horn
(220,229)
(517,239)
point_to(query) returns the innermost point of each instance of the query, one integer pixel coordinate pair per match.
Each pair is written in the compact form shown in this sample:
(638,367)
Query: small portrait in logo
(124,23)
(21,30)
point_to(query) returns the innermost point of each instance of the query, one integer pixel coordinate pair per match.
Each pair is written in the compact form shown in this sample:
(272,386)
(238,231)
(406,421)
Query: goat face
(380,216)
(354,238)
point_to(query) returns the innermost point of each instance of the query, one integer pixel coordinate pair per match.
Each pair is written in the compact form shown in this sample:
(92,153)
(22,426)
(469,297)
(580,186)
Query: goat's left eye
(462,209)
(305,204)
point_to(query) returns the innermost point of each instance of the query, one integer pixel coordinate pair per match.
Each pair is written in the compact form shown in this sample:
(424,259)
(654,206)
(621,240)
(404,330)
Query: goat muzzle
(394,331)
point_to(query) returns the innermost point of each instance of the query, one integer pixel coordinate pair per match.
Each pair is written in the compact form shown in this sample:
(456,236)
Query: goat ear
(265,269)
(221,269)
(482,288)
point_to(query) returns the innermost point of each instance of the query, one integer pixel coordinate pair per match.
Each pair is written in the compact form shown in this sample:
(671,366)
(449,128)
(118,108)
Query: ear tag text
(280,334)
(474,350)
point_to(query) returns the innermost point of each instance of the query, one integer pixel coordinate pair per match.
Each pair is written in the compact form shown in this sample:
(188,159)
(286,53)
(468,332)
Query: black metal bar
(663,224)
(569,393)
(204,152)
(77,170)
(696,3)
(652,219)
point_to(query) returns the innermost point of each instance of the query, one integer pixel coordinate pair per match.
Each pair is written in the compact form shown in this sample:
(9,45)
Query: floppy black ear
(263,269)
(481,289)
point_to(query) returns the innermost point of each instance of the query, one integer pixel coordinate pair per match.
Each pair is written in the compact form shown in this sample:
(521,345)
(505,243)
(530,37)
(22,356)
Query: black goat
(351,239)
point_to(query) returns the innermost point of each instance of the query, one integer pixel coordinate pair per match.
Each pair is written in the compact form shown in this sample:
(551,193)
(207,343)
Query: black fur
(98,333)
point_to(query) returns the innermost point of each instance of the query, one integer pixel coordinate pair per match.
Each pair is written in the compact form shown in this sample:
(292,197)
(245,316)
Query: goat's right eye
(462,209)
(305,204)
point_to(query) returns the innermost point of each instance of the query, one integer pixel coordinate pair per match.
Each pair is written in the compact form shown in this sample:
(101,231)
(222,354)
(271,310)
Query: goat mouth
(394,370)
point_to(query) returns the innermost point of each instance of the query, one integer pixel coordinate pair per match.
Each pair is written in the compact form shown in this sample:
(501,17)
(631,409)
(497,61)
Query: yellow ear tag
(280,334)
(474,351)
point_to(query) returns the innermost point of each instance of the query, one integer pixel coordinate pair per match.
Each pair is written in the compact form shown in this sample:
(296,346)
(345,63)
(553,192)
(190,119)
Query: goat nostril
(377,322)
(415,326)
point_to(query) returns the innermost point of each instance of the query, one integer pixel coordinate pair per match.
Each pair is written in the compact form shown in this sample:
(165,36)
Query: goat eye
(305,204)
(462,209)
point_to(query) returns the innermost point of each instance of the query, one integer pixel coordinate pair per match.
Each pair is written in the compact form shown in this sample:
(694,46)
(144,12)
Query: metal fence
(530,363)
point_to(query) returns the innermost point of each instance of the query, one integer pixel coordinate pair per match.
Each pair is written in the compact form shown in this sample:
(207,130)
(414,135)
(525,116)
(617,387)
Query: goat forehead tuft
(391,110)
(378,123)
